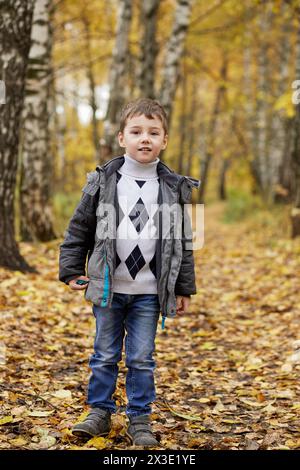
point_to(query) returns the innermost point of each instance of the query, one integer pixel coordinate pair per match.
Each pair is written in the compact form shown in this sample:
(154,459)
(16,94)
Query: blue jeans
(137,315)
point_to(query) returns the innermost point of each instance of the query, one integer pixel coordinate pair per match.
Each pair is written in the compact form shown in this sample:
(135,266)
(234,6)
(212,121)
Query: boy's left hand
(182,304)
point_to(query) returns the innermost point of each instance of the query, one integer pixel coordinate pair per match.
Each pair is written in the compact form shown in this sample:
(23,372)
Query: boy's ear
(120,139)
(165,141)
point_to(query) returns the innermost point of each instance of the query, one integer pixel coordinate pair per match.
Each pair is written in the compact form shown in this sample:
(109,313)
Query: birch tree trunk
(174,52)
(261,148)
(15,29)
(280,143)
(149,48)
(37,161)
(92,88)
(117,80)
(295,214)
(278,121)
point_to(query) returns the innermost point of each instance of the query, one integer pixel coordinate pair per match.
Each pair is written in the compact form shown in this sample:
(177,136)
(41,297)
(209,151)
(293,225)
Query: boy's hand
(75,286)
(182,304)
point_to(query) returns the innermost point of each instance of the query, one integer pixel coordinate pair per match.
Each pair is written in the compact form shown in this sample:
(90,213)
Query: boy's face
(143,138)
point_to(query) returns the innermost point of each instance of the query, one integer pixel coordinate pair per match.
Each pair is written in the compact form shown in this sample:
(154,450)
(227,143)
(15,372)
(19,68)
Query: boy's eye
(137,132)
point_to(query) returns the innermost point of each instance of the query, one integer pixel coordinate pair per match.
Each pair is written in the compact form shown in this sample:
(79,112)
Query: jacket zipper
(106,280)
(177,199)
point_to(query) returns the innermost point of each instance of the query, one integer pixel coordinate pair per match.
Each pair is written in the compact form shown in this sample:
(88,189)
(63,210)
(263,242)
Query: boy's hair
(146,106)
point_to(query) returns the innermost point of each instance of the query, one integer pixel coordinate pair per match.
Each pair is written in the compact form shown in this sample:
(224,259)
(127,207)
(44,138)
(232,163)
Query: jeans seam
(130,398)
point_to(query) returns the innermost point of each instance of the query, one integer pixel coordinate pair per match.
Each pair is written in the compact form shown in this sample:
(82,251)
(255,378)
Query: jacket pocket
(96,264)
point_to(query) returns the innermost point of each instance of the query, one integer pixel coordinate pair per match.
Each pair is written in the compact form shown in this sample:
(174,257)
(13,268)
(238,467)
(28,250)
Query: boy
(135,269)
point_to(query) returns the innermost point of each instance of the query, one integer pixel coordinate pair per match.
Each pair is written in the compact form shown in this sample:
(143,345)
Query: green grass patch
(244,207)
(241,205)
(63,206)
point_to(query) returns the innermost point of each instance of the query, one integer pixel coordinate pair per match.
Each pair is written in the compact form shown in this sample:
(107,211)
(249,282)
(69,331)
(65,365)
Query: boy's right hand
(75,286)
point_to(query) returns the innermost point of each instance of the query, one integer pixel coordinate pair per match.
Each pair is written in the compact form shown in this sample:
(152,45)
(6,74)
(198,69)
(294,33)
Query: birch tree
(117,80)
(37,161)
(173,54)
(262,132)
(92,86)
(295,214)
(15,30)
(149,47)
(278,120)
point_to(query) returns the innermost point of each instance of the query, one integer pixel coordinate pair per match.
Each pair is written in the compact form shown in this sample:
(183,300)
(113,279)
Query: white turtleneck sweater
(137,190)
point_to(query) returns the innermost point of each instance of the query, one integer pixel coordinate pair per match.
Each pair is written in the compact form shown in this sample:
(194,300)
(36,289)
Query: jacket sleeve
(186,282)
(80,234)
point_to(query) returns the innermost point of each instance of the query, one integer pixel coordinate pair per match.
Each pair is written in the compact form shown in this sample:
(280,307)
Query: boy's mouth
(145,149)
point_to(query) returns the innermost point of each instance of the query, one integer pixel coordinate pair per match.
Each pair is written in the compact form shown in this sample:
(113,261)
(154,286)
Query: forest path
(227,373)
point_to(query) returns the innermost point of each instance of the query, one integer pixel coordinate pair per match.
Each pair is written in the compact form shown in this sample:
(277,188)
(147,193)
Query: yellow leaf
(256,404)
(22,293)
(294,444)
(201,333)
(82,416)
(285,103)
(98,442)
(6,419)
(209,346)
(52,347)
(67,432)
(229,421)
(18,442)
(171,357)
(181,415)
(78,448)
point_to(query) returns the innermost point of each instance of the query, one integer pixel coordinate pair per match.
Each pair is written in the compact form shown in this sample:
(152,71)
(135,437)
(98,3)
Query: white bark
(278,141)
(36,177)
(174,51)
(117,80)
(261,153)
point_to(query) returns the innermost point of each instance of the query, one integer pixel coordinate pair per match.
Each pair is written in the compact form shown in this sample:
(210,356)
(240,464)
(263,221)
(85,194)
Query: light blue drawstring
(163,323)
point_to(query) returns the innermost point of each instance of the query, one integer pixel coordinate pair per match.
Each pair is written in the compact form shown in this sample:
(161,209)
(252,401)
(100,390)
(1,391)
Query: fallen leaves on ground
(227,373)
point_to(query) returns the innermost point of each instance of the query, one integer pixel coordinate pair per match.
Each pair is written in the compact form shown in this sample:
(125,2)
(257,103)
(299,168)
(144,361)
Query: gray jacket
(87,236)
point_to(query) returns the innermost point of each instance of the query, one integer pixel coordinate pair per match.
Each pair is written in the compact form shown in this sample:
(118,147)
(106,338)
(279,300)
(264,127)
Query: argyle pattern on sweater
(135,271)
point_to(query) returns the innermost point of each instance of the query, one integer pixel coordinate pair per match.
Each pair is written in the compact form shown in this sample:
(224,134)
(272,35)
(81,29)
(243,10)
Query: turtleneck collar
(137,169)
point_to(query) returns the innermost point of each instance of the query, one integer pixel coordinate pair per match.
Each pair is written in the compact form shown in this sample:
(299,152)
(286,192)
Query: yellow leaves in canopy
(284,102)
